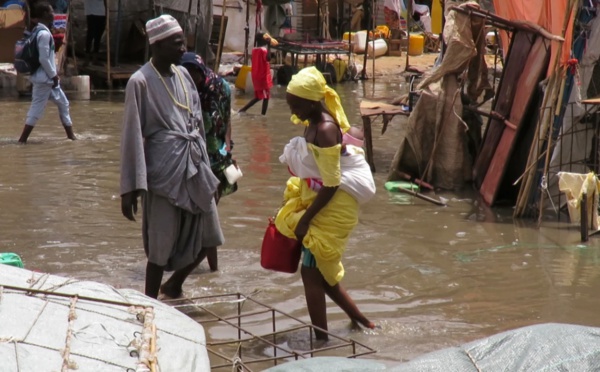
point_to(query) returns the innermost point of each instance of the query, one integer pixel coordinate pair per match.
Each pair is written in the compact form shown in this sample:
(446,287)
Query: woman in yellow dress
(318,211)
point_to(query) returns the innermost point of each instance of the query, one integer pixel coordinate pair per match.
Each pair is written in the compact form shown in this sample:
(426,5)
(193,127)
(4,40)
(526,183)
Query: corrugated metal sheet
(297,20)
(379,15)
(204,11)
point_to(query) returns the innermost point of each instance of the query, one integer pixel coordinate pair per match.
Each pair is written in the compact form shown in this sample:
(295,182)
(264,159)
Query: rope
(16,356)
(33,282)
(66,352)
(145,342)
(236,364)
(544,186)
(69,364)
(57,286)
(79,332)
(75,354)
(36,319)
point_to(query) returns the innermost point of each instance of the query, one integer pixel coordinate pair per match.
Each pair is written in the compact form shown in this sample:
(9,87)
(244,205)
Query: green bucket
(11,259)
(393,186)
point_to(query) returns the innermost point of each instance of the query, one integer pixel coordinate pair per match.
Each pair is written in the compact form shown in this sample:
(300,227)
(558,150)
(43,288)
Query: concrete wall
(236,23)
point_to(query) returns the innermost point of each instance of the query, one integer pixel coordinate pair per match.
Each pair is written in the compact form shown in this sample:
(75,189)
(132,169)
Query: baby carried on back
(356,179)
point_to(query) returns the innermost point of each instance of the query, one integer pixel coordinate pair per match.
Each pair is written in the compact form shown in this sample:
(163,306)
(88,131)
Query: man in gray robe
(164,160)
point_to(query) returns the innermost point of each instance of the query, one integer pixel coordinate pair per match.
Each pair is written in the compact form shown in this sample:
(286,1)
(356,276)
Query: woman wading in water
(329,180)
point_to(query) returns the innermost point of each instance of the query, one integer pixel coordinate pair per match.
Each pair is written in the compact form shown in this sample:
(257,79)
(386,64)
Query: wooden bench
(370,110)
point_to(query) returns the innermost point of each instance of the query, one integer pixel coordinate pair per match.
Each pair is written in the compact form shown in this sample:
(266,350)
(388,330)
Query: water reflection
(431,276)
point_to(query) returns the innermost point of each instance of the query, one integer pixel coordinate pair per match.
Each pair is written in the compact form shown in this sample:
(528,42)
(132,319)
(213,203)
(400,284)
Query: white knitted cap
(161,28)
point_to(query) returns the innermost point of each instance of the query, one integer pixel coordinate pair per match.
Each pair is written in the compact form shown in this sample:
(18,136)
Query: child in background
(261,72)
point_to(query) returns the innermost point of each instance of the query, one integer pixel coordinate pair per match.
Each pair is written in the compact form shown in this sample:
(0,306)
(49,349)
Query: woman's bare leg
(315,299)
(339,295)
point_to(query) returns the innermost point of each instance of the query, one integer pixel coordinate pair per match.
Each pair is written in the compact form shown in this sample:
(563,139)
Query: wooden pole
(221,36)
(47,292)
(422,197)
(572,5)
(373,42)
(118,33)
(408,16)
(247,32)
(71,37)
(364,71)
(147,45)
(108,73)
(187,21)
(319,28)
(584,218)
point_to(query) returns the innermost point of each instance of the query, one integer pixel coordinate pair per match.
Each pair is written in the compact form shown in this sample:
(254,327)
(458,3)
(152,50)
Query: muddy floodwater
(431,277)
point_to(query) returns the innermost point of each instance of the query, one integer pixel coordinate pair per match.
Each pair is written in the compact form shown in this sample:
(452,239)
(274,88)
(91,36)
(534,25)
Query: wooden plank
(368,141)
(591,101)
(533,71)
(519,51)
(371,108)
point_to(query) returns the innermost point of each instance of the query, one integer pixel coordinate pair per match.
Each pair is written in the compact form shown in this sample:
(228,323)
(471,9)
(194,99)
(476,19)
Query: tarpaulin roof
(550,14)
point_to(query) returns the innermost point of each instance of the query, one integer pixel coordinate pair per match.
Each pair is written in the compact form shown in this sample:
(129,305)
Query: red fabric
(261,71)
(550,14)
(262,94)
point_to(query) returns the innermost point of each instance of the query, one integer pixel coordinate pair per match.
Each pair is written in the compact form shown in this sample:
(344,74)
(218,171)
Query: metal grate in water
(260,336)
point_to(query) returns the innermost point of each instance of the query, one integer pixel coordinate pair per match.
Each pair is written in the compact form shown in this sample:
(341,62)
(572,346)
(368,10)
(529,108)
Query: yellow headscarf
(310,84)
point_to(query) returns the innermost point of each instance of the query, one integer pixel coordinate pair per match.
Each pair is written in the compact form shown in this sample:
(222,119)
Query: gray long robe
(163,152)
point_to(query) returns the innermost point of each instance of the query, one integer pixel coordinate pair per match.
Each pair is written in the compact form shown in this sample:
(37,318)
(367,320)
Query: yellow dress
(330,229)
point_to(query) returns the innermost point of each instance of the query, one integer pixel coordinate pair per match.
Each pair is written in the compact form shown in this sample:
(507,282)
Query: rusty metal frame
(202,304)
(505,24)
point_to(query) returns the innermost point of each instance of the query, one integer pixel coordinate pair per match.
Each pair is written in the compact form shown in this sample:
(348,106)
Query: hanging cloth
(259,7)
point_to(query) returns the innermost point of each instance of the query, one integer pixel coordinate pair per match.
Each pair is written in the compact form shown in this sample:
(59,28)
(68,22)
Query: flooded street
(431,277)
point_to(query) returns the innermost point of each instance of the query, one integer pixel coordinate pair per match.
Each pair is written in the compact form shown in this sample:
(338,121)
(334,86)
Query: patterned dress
(215,98)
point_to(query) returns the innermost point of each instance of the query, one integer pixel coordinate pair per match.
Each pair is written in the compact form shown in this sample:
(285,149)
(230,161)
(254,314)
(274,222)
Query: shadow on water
(430,276)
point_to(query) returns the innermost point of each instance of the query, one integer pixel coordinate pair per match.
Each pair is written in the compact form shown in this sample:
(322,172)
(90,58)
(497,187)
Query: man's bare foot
(169,292)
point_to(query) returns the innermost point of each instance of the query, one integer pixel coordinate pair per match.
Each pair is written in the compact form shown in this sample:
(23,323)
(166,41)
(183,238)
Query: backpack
(27,57)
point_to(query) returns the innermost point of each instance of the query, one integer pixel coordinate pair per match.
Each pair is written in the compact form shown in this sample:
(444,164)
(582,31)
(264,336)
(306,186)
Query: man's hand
(129,204)
(56,80)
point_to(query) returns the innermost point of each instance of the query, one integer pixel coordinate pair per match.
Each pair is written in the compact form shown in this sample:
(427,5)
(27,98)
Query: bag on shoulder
(27,57)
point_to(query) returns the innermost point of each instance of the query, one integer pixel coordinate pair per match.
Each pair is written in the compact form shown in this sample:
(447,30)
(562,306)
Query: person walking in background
(215,98)
(330,178)
(164,161)
(95,14)
(45,81)
(261,73)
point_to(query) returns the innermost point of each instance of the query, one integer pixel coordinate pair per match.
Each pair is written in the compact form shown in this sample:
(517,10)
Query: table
(297,49)
(370,110)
